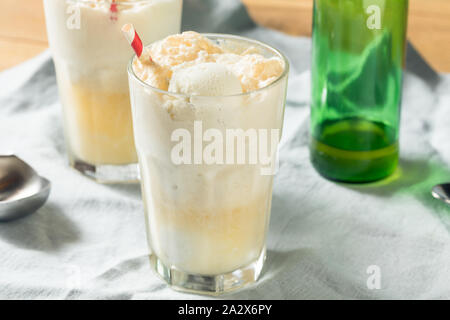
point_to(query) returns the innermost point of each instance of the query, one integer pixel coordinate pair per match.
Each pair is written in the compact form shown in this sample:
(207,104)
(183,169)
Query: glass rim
(127,2)
(219,36)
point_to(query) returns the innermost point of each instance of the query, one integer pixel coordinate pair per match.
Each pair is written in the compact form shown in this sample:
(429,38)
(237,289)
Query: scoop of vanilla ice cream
(205,79)
(190,63)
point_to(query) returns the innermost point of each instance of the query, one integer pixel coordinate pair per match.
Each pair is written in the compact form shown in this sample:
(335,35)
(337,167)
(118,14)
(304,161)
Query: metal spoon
(22,190)
(442,192)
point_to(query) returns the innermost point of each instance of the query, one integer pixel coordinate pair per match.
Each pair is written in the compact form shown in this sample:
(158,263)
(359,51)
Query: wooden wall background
(22,27)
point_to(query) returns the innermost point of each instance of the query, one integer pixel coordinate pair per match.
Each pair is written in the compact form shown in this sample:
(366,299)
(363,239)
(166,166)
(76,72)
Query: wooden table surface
(23,35)
(22,31)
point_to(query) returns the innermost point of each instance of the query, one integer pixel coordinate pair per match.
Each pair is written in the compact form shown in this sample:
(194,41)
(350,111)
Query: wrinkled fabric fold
(89,242)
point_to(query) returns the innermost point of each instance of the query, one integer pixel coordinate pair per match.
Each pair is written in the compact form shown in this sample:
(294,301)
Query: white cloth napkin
(326,240)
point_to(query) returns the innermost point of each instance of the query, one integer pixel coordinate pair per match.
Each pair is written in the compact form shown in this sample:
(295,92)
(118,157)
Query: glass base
(209,284)
(107,174)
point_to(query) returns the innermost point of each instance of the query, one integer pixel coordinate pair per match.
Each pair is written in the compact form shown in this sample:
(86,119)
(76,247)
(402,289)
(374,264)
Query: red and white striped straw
(133,39)
(114,11)
(113,7)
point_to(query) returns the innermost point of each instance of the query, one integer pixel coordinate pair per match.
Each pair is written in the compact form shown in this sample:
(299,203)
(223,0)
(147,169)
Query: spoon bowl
(442,192)
(22,190)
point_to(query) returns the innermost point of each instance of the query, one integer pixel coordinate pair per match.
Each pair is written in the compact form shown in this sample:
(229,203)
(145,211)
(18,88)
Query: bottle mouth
(222,37)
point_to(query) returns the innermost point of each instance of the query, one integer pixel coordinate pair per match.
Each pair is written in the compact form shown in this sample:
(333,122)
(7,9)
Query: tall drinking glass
(357,60)
(207,220)
(90,57)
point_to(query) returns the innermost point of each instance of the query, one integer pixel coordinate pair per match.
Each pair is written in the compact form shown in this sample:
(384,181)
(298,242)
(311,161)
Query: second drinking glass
(90,58)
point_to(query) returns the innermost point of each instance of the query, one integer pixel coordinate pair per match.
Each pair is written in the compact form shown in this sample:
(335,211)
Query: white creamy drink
(90,58)
(205,218)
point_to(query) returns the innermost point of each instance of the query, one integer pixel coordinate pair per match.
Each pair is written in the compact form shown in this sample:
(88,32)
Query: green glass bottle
(357,61)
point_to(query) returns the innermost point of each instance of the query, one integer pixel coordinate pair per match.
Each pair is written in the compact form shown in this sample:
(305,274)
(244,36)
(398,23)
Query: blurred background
(22,27)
